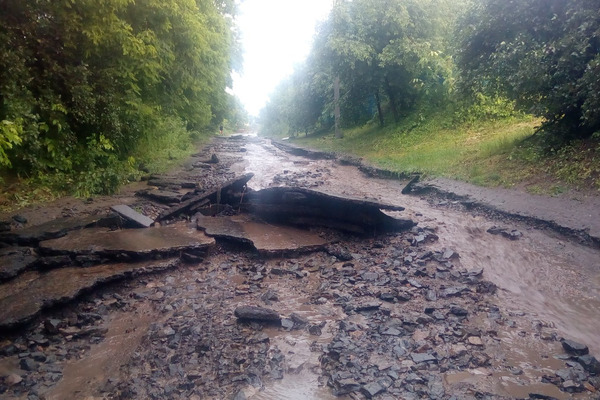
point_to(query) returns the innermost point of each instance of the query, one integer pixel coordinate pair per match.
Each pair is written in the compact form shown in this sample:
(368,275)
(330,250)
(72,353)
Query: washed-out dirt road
(468,303)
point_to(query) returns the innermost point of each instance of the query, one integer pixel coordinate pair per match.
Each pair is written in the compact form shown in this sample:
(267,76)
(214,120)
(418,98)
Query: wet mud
(440,310)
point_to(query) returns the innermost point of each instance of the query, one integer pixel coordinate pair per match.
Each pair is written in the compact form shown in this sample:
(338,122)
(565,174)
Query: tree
(387,50)
(545,54)
(83,83)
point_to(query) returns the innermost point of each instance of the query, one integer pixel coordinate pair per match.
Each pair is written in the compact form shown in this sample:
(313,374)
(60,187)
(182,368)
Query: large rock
(23,297)
(255,313)
(574,348)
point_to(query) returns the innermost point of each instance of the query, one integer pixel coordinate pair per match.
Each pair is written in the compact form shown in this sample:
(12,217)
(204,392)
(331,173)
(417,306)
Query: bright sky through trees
(276,35)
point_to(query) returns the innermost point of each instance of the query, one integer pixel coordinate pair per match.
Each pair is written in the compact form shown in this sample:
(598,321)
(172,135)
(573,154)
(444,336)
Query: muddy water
(555,281)
(300,349)
(125,332)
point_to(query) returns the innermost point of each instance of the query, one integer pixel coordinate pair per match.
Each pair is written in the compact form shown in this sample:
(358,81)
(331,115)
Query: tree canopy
(84,82)
(388,54)
(545,54)
(394,56)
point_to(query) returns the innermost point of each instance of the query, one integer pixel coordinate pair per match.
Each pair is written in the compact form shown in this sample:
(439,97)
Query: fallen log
(220,194)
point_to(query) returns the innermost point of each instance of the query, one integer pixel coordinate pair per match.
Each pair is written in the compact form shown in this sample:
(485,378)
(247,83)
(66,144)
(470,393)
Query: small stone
(458,311)
(457,350)
(166,332)
(415,283)
(392,332)
(27,364)
(13,379)
(449,254)
(20,219)
(287,324)
(52,326)
(299,320)
(571,386)
(368,306)
(316,330)
(372,389)
(590,364)
(404,296)
(574,348)
(431,295)
(38,356)
(422,357)
(240,395)
(370,276)
(475,341)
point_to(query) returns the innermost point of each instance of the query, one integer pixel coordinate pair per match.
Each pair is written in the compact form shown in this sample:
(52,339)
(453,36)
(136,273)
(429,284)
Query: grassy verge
(156,157)
(488,153)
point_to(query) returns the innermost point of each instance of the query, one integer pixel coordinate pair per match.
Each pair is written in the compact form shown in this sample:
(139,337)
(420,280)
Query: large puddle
(555,281)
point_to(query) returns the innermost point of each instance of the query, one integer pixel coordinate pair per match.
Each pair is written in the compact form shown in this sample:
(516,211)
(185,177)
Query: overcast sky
(276,35)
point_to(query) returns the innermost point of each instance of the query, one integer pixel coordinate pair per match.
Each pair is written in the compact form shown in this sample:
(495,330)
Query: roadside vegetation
(487,91)
(94,94)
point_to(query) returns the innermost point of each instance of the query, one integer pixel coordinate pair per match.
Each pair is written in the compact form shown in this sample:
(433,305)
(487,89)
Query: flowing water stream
(552,280)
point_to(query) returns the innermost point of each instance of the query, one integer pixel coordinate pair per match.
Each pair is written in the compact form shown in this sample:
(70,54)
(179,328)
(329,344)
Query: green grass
(486,153)
(436,147)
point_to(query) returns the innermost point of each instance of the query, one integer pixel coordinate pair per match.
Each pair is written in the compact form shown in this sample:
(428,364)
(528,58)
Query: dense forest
(395,59)
(92,91)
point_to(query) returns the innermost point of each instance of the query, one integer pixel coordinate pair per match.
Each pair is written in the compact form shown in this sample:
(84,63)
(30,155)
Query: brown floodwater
(553,281)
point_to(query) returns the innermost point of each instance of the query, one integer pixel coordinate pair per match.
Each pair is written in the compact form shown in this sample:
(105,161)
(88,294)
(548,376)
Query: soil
(481,299)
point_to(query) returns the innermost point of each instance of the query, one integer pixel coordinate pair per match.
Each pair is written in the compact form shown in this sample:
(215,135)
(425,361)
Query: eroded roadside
(400,315)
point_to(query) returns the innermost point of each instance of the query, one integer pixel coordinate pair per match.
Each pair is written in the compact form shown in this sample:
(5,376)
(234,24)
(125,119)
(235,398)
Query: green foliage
(85,84)
(10,134)
(390,55)
(544,54)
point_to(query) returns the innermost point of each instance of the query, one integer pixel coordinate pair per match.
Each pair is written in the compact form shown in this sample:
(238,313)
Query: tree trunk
(336,101)
(393,102)
(379,112)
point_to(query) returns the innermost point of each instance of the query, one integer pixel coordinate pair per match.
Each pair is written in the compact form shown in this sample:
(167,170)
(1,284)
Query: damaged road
(254,273)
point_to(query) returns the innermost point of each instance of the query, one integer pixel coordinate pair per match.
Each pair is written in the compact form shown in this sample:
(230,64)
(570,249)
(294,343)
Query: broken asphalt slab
(306,207)
(129,243)
(564,214)
(133,216)
(32,235)
(29,293)
(266,238)
(14,260)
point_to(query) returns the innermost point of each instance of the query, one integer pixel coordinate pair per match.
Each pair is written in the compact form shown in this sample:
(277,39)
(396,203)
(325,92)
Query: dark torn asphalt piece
(133,216)
(25,296)
(133,243)
(32,235)
(266,238)
(306,207)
